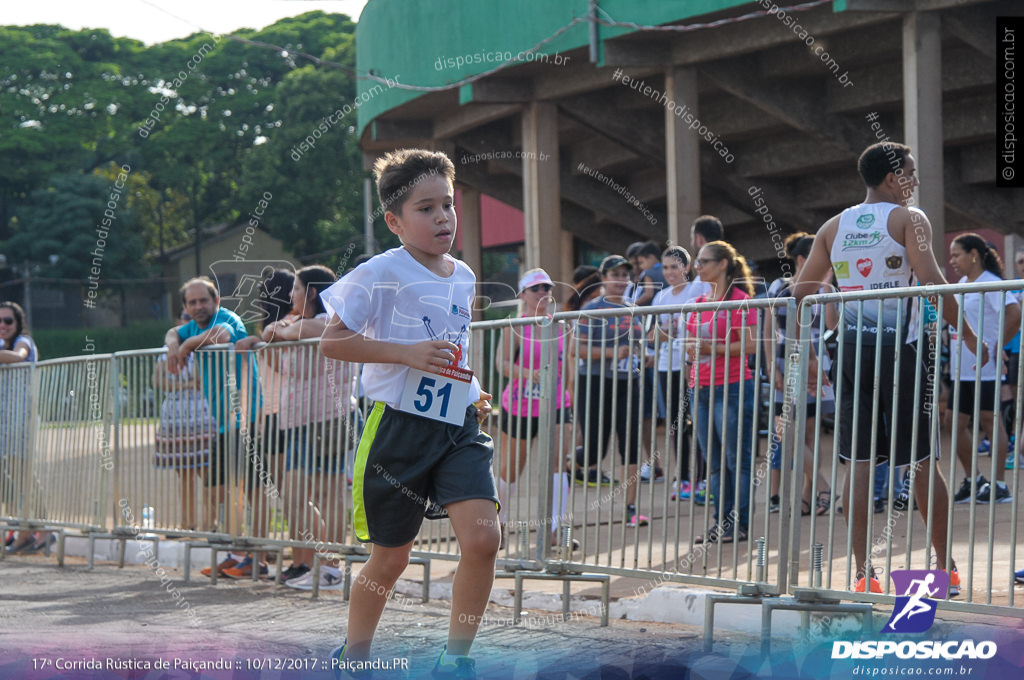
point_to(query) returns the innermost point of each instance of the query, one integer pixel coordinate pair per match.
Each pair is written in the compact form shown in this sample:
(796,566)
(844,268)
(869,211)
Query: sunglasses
(9,320)
(706,260)
(545,287)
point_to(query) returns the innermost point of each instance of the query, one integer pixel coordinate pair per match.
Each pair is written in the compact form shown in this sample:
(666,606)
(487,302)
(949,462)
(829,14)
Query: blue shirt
(25,341)
(215,387)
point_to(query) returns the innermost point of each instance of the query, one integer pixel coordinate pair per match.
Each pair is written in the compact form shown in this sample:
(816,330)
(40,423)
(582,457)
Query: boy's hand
(431,355)
(483,406)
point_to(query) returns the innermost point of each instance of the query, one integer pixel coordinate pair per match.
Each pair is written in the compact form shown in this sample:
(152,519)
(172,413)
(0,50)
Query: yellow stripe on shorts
(359,523)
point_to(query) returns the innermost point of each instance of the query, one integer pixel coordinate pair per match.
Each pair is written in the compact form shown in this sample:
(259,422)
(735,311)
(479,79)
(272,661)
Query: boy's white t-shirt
(393,298)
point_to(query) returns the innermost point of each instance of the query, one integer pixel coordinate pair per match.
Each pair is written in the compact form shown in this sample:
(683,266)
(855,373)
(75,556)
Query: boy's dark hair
(710,227)
(650,249)
(879,159)
(397,172)
(316,279)
(202,280)
(634,249)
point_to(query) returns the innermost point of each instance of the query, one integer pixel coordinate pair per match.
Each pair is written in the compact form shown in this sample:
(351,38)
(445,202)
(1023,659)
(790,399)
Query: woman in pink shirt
(718,344)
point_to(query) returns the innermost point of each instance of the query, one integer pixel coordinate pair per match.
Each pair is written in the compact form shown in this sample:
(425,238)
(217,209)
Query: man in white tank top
(881,244)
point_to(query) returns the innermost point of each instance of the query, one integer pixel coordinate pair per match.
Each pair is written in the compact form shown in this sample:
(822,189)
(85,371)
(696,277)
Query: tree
(84,221)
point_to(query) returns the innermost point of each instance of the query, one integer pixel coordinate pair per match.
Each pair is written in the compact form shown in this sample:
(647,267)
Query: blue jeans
(720,405)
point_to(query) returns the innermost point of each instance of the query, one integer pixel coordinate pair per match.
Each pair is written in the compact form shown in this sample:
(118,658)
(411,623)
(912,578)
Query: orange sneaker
(954,582)
(225,564)
(876,587)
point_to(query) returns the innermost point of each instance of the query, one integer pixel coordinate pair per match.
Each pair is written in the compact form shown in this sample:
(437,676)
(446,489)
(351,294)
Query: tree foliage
(206,124)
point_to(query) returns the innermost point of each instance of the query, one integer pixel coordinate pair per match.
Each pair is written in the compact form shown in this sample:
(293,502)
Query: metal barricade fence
(669,537)
(18,427)
(73,454)
(281,439)
(565,379)
(879,386)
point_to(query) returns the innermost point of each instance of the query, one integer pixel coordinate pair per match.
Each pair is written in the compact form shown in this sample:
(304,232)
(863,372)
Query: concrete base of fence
(663,604)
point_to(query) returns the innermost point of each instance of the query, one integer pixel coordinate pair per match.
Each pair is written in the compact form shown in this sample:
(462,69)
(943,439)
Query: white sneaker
(645,472)
(328,581)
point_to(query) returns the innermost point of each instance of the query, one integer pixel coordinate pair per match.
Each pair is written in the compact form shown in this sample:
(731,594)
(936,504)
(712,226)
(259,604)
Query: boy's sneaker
(963,494)
(954,582)
(225,564)
(244,570)
(294,571)
(645,472)
(1002,493)
(985,447)
(458,668)
(635,519)
(1019,576)
(342,673)
(773,503)
(1009,465)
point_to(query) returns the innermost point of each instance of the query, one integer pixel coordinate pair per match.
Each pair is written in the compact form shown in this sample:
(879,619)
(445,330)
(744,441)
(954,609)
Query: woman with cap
(519,360)
(610,349)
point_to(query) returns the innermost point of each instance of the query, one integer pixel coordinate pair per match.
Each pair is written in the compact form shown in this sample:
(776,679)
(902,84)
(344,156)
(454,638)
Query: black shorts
(989,396)
(248,458)
(527,427)
(409,467)
(891,388)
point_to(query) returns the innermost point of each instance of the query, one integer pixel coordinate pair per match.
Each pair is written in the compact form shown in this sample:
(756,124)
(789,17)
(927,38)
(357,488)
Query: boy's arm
(338,342)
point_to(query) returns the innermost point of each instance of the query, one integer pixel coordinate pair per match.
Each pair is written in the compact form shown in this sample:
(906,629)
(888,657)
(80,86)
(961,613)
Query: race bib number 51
(439,396)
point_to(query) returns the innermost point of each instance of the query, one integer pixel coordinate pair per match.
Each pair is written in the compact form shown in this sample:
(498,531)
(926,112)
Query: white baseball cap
(534,277)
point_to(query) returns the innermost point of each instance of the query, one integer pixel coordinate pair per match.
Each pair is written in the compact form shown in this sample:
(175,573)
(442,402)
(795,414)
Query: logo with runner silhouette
(915,609)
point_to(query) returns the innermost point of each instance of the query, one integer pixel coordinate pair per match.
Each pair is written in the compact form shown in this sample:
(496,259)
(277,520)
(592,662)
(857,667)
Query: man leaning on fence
(211,324)
(882,237)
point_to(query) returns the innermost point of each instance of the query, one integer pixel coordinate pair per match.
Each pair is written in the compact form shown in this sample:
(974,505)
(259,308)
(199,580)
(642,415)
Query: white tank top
(865,257)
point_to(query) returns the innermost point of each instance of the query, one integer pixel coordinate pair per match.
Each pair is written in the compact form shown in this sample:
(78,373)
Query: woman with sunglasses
(519,360)
(16,346)
(714,339)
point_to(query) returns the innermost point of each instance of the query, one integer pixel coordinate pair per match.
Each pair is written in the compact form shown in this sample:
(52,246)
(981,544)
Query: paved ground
(62,623)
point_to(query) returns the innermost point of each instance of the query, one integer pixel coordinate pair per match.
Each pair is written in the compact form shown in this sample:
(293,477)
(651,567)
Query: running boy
(405,314)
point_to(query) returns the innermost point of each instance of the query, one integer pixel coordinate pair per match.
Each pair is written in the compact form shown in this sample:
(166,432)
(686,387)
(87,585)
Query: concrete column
(542,211)
(922,114)
(471,227)
(682,156)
